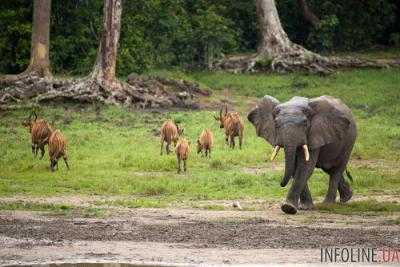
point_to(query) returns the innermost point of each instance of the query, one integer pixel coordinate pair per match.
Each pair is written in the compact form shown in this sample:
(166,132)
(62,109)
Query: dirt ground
(187,236)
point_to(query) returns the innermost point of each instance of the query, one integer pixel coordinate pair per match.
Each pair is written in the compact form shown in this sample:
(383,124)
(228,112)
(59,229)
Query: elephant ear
(262,119)
(329,123)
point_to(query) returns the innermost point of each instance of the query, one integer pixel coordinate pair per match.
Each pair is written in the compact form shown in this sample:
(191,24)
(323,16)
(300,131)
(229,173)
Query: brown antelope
(205,142)
(170,133)
(233,125)
(57,149)
(40,131)
(182,153)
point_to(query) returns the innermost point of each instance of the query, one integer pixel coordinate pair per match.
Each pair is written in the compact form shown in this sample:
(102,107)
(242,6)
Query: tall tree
(39,62)
(273,39)
(105,66)
(278,53)
(275,44)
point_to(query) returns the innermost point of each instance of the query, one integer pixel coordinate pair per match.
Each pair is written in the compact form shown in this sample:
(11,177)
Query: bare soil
(189,236)
(247,234)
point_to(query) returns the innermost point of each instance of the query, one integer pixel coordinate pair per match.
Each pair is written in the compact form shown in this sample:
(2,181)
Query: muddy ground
(188,236)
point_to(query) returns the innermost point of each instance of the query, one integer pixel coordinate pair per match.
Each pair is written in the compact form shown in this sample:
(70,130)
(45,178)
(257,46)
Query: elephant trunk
(290,162)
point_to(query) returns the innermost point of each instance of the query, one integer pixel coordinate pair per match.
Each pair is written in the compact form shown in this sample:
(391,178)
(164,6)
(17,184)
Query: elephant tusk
(306,152)
(275,152)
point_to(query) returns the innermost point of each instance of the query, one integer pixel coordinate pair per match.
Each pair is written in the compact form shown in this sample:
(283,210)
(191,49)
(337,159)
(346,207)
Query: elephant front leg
(306,202)
(304,170)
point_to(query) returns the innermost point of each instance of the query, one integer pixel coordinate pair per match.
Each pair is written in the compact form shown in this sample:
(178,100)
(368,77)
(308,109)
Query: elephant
(314,133)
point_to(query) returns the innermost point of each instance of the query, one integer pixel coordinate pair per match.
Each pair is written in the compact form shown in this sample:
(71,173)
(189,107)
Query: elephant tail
(348,174)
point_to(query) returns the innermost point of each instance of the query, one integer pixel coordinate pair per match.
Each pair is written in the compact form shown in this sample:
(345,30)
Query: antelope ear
(329,123)
(216,118)
(262,118)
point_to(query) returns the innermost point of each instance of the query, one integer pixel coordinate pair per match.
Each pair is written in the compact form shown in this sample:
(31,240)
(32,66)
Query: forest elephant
(318,132)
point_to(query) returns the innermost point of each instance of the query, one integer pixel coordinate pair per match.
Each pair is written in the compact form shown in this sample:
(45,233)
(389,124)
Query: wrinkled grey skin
(326,125)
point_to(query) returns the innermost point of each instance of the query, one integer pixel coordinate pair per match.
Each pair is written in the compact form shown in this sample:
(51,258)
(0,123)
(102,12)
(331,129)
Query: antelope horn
(275,152)
(226,109)
(34,113)
(306,152)
(220,112)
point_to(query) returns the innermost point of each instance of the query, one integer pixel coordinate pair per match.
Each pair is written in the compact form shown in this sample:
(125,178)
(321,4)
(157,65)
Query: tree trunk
(39,62)
(274,40)
(101,86)
(276,47)
(105,66)
(278,54)
(308,15)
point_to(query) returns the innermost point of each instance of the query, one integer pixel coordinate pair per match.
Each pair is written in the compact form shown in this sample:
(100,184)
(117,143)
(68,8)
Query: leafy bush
(322,37)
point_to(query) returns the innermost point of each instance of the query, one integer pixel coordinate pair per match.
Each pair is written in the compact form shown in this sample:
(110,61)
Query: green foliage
(188,34)
(15,35)
(395,39)
(323,36)
(212,33)
(263,64)
(359,24)
(75,34)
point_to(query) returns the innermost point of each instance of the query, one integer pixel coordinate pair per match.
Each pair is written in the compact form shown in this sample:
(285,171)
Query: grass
(387,53)
(135,203)
(115,152)
(393,222)
(357,207)
(53,209)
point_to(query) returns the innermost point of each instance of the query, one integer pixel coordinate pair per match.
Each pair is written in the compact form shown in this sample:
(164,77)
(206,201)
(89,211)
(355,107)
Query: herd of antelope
(42,134)
(231,122)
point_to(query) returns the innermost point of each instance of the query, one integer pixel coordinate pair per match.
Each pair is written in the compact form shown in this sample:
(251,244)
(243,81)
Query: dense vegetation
(172,33)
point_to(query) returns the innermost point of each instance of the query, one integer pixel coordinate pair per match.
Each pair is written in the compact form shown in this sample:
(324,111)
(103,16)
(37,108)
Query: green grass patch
(214,207)
(135,203)
(114,151)
(357,207)
(393,222)
(53,209)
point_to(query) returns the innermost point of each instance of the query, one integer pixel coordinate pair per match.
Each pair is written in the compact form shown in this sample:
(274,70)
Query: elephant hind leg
(345,191)
(335,178)
(337,183)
